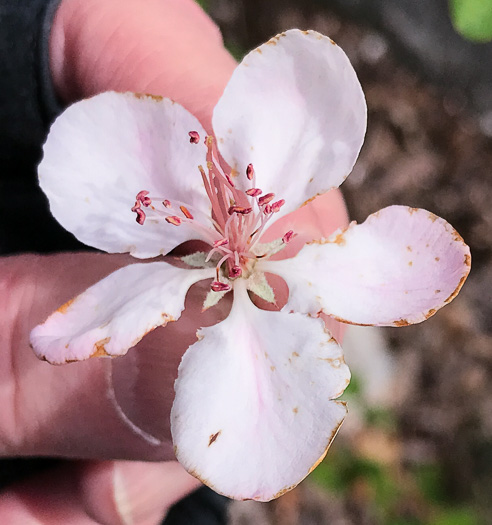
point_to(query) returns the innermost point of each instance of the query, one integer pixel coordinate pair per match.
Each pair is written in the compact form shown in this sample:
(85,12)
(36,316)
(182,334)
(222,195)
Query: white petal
(293,108)
(102,151)
(397,268)
(115,313)
(254,410)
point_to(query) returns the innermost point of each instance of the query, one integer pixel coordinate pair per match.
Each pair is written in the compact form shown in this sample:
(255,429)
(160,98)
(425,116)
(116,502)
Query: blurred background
(416,447)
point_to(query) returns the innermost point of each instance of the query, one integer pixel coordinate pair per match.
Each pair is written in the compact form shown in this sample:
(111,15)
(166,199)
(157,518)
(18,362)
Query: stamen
(253,192)
(221,242)
(166,203)
(142,197)
(288,236)
(186,212)
(240,210)
(266,199)
(194,137)
(140,215)
(217,286)
(250,172)
(277,205)
(176,221)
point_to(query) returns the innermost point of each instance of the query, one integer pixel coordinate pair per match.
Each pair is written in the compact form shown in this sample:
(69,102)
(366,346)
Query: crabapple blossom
(256,396)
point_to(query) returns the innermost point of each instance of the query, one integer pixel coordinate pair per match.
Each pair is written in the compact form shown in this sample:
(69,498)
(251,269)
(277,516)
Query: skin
(163,47)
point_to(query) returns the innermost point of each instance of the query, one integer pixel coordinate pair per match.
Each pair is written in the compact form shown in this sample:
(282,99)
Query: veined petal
(293,108)
(102,151)
(397,268)
(254,410)
(114,314)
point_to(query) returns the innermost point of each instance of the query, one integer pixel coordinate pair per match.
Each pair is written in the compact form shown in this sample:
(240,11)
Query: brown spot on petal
(411,211)
(335,363)
(410,263)
(234,173)
(402,322)
(458,288)
(295,410)
(64,307)
(346,321)
(258,50)
(437,259)
(157,98)
(213,437)
(437,291)
(285,490)
(468,259)
(339,239)
(310,200)
(430,313)
(409,248)
(272,368)
(330,441)
(347,382)
(333,42)
(295,354)
(432,217)
(100,351)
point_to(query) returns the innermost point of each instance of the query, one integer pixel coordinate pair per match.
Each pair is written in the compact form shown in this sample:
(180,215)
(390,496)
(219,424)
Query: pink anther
(241,210)
(217,286)
(250,172)
(186,212)
(277,205)
(140,215)
(253,192)
(142,197)
(194,137)
(166,203)
(266,199)
(288,236)
(176,221)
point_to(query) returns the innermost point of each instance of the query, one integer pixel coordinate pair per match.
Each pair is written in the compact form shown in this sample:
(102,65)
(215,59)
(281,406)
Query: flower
(255,408)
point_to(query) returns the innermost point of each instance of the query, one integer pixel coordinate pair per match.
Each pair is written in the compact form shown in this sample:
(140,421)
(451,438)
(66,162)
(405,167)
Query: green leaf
(456,516)
(472,19)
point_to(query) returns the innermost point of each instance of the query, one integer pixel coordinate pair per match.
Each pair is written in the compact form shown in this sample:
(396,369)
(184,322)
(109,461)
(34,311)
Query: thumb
(71,410)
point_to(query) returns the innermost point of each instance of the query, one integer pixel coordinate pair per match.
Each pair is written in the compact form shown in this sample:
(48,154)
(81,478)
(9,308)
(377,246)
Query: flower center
(238,219)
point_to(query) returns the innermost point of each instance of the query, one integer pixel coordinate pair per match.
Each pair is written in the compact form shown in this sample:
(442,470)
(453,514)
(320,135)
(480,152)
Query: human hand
(168,48)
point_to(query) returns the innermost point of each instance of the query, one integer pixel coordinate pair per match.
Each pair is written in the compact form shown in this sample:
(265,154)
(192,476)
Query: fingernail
(143,492)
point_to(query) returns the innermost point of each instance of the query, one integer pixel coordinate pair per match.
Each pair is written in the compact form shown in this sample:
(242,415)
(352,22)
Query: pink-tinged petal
(104,150)
(397,268)
(115,313)
(295,110)
(254,410)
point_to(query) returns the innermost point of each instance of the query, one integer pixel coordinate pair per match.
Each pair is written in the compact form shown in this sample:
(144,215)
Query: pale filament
(238,217)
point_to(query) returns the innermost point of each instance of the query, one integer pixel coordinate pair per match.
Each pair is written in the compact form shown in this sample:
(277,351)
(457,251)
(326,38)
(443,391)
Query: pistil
(238,217)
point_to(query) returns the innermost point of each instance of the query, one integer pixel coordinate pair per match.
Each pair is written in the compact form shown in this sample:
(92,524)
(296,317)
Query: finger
(107,493)
(162,47)
(68,410)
